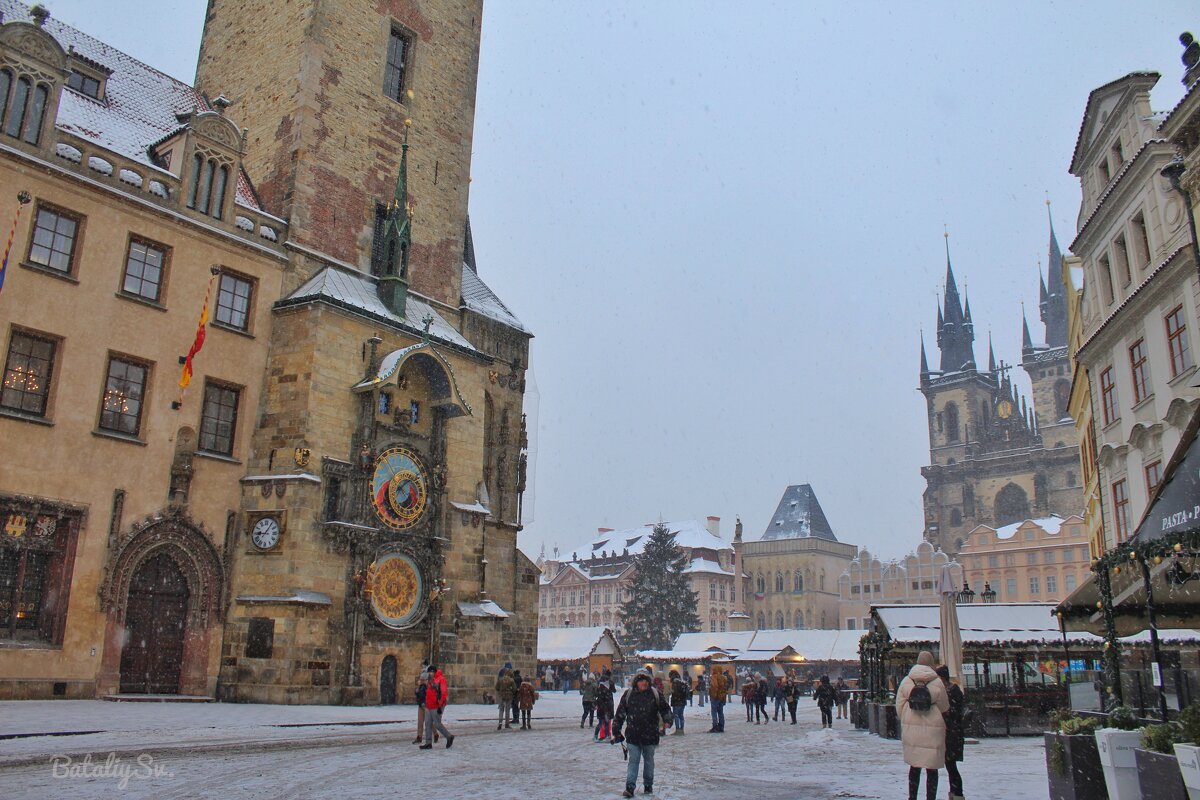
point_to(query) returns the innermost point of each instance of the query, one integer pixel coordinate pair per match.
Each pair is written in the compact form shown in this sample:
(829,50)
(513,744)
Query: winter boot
(507,726)
(628,791)
(499,726)
(449,742)
(426,747)
(648,790)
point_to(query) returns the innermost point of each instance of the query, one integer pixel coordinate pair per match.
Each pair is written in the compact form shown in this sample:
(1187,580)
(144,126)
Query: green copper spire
(397,237)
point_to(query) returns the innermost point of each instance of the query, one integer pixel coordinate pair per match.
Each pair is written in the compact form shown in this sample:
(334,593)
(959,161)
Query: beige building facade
(588,589)
(792,570)
(1138,309)
(1035,561)
(868,581)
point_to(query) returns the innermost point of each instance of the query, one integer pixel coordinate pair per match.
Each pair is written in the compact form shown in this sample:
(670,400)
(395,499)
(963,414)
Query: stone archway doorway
(155,621)
(387,682)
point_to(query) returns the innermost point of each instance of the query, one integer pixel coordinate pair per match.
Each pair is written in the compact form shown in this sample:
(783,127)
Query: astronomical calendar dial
(396,588)
(399,488)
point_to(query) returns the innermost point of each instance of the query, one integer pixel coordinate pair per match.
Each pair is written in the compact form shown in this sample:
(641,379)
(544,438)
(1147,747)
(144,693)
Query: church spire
(924,360)
(392,264)
(991,354)
(956,332)
(1026,339)
(1054,297)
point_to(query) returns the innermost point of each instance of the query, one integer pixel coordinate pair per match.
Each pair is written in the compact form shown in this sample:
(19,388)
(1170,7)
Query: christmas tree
(661,604)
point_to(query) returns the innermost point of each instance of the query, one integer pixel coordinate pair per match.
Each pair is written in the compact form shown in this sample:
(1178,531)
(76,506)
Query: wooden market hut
(574,650)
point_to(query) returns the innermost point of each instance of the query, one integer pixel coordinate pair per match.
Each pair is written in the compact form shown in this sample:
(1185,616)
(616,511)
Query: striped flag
(23,199)
(186,377)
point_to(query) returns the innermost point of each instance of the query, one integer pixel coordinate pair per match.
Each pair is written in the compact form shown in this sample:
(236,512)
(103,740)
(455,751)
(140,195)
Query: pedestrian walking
(506,692)
(761,693)
(826,698)
(588,691)
(517,680)
(422,685)
(955,732)
(920,701)
(702,688)
(777,696)
(749,689)
(526,697)
(843,697)
(718,692)
(604,708)
(641,710)
(436,698)
(791,696)
(679,699)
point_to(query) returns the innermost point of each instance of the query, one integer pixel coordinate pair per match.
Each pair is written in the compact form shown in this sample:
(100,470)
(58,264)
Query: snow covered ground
(225,751)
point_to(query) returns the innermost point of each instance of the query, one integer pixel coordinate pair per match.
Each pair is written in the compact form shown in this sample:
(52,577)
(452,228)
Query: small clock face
(265,534)
(1004,409)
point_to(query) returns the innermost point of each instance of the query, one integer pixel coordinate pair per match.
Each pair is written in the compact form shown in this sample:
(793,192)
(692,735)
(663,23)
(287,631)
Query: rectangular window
(124,390)
(144,264)
(35,574)
(1034,584)
(395,76)
(1139,370)
(993,561)
(260,640)
(1051,584)
(1141,242)
(27,373)
(218,419)
(1108,396)
(53,242)
(1121,510)
(1106,278)
(1031,558)
(722,587)
(1153,477)
(1010,560)
(851,624)
(233,301)
(1177,343)
(712,591)
(722,626)
(1049,559)
(1010,588)
(84,84)
(596,597)
(1121,254)
(1069,581)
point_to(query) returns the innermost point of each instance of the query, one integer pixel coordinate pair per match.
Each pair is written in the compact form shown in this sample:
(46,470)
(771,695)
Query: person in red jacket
(436,697)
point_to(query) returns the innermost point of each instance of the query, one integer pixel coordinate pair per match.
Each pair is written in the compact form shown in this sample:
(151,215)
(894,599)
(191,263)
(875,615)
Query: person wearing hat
(718,691)
(422,687)
(436,698)
(641,710)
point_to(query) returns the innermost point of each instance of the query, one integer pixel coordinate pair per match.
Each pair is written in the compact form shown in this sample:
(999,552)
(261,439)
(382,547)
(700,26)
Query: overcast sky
(723,222)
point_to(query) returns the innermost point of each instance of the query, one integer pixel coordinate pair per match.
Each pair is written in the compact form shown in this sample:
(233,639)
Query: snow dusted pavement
(221,752)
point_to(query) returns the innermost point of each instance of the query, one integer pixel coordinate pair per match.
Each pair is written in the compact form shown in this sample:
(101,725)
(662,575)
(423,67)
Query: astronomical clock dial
(396,589)
(1004,409)
(265,533)
(399,488)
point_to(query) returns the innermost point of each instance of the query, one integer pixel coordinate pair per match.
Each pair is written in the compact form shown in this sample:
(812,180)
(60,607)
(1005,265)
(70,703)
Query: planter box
(1189,765)
(1073,768)
(1120,766)
(873,718)
(891,722)
(1160,776)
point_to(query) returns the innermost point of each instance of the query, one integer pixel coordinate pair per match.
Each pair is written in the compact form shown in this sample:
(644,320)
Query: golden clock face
(1004,409)
(396,590)
(399,488)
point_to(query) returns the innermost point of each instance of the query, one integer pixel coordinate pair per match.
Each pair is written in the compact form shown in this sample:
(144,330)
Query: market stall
(566,653)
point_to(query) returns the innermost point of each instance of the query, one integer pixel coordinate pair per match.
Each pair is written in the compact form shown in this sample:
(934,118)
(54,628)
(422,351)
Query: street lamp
(988,594)
(967,595)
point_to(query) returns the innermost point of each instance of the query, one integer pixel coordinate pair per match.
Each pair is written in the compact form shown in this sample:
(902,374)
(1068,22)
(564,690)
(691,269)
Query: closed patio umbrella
(951,635)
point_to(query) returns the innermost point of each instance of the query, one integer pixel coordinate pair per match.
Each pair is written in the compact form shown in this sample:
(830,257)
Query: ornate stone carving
(29,40)
(218,129)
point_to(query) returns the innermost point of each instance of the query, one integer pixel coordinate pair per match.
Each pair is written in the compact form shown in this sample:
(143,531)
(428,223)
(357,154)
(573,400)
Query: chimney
(714,526)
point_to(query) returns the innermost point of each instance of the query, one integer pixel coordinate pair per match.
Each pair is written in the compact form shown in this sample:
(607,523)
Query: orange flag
(186,377)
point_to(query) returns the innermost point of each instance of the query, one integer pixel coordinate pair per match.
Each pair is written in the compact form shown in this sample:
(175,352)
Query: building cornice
(1106,206)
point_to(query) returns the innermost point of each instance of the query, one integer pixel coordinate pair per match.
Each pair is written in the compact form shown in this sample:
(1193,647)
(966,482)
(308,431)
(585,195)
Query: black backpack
(919,698)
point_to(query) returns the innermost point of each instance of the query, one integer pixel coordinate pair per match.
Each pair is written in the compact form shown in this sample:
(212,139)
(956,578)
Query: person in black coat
(955,732)
(826,697)
(641,711)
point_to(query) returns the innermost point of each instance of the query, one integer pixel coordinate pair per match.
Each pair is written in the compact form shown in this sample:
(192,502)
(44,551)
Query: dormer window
(209,182)
(84,84)
(22,106)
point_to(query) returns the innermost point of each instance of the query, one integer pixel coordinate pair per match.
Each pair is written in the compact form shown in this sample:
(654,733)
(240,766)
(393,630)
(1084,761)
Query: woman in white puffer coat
(923,733)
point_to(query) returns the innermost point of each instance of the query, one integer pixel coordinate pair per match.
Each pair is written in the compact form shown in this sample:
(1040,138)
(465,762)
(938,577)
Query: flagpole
(23,199)
(185,377)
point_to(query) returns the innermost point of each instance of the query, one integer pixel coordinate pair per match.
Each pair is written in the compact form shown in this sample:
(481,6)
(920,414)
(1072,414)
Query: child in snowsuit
(526,697)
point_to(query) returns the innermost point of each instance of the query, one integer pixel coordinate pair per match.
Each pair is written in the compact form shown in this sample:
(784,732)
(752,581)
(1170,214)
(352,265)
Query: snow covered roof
(297,597)
(487,608)
(808,644)
(356,291)
(1050,524)
(705,565)
(728,641)
(798,516)
(980,622)
(682,655)
(576,644)
(690,534)
(140,103)
(477,297)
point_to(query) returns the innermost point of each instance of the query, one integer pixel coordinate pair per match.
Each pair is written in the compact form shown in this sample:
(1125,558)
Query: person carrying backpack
(679,698)
(641,712)
(920,701)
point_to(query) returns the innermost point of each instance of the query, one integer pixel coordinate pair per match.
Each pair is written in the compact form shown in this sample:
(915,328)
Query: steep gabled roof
(140,104)
(799,516)
(1093,116)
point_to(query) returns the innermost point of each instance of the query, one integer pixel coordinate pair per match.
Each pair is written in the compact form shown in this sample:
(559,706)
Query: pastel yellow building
(1034,561)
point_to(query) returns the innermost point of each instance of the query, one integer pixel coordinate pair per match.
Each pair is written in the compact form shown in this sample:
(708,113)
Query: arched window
(216,208)
(951,412)
(797,582)
(779,582)
(16,114)
(822,580)
(761,584)
(761,622)
(779,620)
(5,88)
(955,517)
(209,184)
(1012,505)
(799,619)
(37,111)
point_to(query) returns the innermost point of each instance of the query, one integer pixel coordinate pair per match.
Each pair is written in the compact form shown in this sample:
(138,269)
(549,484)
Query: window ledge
(51,271)
(25,417)
(1183,376)
(218,457)
(27,644)
(141,301)
(120,437)
(1145,401)
(231,329)
(1112,425)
